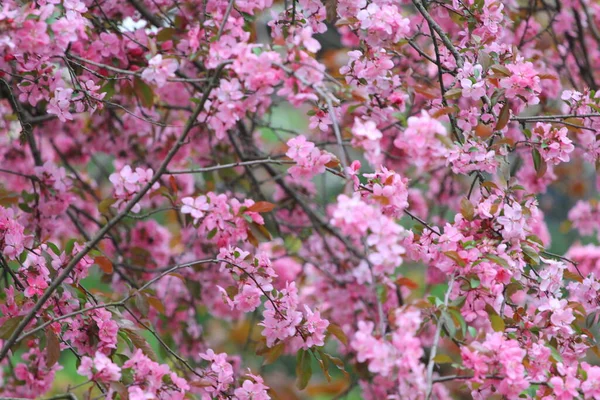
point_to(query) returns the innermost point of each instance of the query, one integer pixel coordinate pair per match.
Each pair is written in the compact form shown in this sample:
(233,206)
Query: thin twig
(436,340)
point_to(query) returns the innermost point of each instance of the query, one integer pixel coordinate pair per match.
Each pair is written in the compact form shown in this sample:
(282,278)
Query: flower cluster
(283,316)
(153,380)
(310,160)
(472,156)
(219,378)
(128,183)
(12,234)
(419,141)
(159,70)
(554,145)
(499,356)
(388,189)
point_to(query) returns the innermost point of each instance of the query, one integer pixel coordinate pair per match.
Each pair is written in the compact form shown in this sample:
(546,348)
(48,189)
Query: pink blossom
(252,390)
(196,207)
(248,298)
(60,104)
(512,221)
(99,368)
(554,145)
(305,37)
(310,161)
(36,286)
(316,328)
(419,139)
(159,70)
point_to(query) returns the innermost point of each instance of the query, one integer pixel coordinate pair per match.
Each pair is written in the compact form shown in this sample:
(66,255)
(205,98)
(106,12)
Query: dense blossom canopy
(256,199)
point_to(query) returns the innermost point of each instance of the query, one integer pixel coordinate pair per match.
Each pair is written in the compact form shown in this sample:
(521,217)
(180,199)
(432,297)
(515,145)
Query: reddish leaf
(105,264)
(156,304)
(483,131)
(443,111)
(173,184)
(251,238)
(503,118)
(334,163)
(261,207)
(406,282)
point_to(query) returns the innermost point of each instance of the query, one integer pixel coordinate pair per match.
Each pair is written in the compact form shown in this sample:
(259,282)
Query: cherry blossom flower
(99,368)
(196,207)
(159,70)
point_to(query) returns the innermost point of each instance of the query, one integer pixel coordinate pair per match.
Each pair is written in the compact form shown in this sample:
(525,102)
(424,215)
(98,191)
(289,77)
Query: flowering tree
(164,236)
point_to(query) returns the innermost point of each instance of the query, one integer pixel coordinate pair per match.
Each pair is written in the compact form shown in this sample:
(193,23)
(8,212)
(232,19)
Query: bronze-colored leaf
(105,264)
(52,348)
(141,343)
(331,9)
(261,207)
(503,118)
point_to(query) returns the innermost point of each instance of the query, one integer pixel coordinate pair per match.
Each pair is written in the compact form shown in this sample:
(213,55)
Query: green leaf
(143,92)
(457,317)
(273,353)
(54,248)
(292,244)
(303,369)
(455,257)
(105,204)
(165,34)
(472,331)
(336,361)
(448,323)
(454,93)
(336,331)
(324,364)
(531,256)
(9,326)
(141,303)
(501,70)
(212,233)
(467,209)
(109,89)
(25,208)
(498,260)
(69,246)
(538,162)
(439,291)
(555,354)
(442,359)
(497,323)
